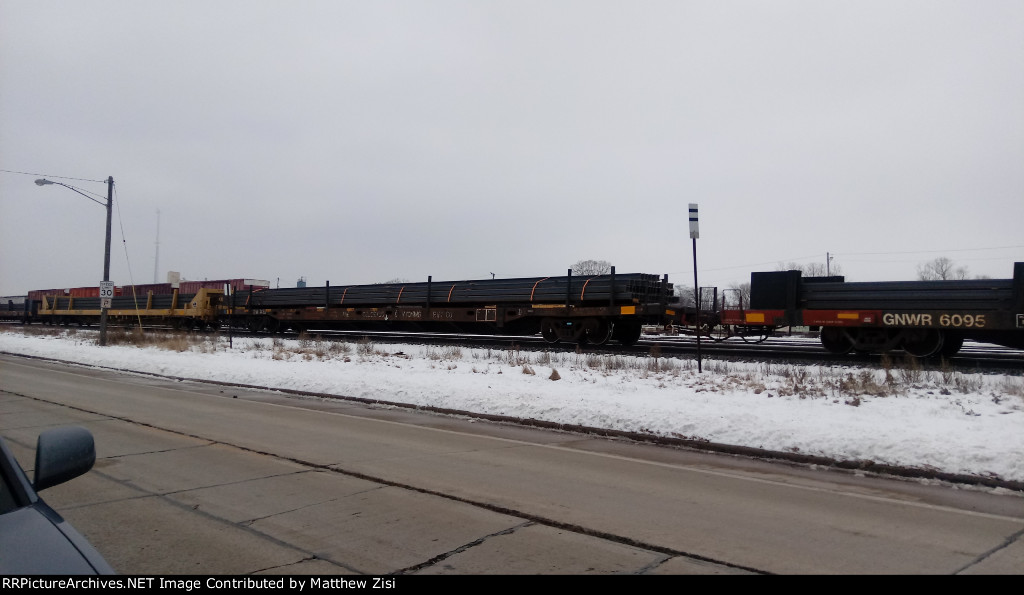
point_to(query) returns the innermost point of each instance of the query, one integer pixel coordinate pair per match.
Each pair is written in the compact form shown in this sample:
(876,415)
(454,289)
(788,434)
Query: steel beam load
(974,294)
(599,289)
(124,302)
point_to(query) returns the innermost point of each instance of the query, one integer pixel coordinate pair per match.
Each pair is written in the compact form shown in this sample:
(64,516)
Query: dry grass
(169,340)
(447,353)
(894,377)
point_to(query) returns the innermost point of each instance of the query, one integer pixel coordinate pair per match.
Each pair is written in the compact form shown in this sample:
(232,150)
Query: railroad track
(798,350)
(975,357)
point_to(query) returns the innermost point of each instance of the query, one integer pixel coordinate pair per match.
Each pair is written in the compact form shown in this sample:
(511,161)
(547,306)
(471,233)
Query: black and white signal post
(694,234)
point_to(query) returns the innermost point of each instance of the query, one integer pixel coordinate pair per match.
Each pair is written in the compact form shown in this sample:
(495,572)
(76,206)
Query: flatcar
(921,318)
(14,308)
(583,309)
(189,311)
(186,305)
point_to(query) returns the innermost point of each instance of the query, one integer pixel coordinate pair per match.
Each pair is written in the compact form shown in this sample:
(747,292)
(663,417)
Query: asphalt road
(193,478)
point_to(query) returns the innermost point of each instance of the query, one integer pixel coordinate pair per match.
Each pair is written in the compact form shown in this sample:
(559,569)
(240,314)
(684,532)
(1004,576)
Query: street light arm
(46,182)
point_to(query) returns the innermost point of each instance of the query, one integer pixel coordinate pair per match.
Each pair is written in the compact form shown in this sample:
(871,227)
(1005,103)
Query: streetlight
(106,250)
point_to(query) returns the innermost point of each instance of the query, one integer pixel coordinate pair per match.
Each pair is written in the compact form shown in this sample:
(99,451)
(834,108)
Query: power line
(846,254)
(761,264)
(26,173)
(927,251)
(100,198)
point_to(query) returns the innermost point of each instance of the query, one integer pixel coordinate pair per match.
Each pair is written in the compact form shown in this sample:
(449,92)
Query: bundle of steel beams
(124,302)
(974,294)
(600,289)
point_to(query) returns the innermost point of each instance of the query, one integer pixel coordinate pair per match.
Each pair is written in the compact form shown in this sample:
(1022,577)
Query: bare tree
(684,295)
(737,295)
(592,267)
(812,269)
(940,269)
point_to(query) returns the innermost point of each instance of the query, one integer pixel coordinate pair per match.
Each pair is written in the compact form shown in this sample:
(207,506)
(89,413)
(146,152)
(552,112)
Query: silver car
(34,539)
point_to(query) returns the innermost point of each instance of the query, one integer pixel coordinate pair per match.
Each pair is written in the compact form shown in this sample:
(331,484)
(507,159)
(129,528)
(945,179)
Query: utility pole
(105,303)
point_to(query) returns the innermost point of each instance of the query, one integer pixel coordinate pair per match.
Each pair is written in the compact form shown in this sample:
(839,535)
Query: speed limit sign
(106,293)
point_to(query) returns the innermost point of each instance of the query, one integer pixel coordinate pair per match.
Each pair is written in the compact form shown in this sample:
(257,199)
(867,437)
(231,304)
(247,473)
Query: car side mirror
(62,454)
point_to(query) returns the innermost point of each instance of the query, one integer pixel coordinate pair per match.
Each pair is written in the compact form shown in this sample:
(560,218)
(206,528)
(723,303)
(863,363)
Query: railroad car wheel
(720,332)
(951,344)
(548,330)
(835,340)
(596,331)
(923,342)
(627,333)
(754,334)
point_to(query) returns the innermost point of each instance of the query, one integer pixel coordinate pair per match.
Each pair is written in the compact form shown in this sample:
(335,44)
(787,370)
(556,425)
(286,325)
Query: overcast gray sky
(357,142)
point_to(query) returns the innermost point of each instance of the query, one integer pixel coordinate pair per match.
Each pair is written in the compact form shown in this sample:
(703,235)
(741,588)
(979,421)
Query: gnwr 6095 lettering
(945,320)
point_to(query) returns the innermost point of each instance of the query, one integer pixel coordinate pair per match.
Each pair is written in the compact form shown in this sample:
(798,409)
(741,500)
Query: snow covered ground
(949,421)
